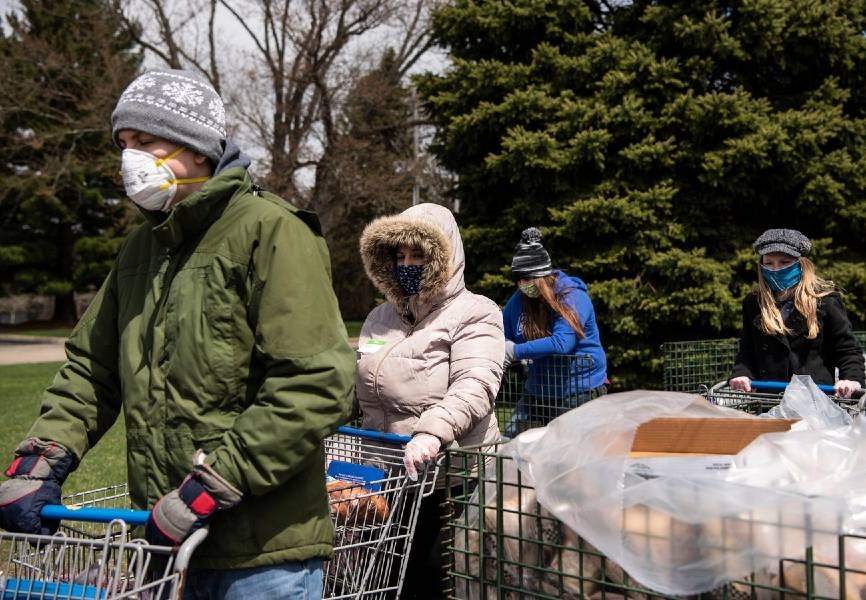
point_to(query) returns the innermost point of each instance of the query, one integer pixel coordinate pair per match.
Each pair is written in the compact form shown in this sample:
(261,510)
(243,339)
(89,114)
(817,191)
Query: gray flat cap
(788,241)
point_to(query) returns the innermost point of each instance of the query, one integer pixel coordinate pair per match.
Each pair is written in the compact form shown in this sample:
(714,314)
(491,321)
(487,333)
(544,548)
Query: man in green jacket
(217,335)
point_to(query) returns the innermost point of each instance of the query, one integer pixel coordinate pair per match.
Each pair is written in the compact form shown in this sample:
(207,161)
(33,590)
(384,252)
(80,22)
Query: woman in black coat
(794,323)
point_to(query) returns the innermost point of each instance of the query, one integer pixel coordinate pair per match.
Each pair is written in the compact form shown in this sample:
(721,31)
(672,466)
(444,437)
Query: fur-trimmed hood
(430,227)
(431,362)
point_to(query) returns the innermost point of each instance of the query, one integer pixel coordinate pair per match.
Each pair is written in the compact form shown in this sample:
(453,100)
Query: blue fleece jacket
(543,378)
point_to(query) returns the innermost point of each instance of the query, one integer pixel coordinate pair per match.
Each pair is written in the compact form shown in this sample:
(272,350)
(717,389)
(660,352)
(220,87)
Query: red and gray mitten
(39,469)
(189,507)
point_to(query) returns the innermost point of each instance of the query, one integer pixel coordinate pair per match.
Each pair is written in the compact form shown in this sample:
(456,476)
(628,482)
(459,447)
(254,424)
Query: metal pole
(416,194)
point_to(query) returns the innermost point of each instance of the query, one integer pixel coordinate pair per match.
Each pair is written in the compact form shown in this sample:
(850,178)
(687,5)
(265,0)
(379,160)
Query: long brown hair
(806,294)
(536,318)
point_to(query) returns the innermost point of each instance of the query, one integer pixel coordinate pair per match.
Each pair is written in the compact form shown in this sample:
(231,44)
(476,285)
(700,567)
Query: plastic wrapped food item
(681,530)
(353,505)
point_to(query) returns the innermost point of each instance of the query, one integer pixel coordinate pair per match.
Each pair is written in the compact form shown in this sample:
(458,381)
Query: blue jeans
(294,580)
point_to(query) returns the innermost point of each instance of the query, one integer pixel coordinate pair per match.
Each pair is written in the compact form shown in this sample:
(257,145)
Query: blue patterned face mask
(783,278)
(409,278)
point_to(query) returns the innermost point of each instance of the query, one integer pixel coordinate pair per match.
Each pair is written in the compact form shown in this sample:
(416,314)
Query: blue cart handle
(393,438)
(93,514)
(781,385)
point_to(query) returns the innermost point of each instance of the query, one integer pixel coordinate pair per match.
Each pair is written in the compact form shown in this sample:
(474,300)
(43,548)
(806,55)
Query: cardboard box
(677,436)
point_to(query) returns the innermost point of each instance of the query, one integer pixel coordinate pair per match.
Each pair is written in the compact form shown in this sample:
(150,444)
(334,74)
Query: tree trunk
(64,308)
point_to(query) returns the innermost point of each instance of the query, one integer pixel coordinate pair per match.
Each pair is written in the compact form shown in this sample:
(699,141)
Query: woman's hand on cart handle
(740,384)
(510,354)
(845,388)
(421,450)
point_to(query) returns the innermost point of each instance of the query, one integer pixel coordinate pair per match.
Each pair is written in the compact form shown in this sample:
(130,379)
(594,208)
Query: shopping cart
(94,554)
(375,510)
(767,394)
(71,565)
(504,545)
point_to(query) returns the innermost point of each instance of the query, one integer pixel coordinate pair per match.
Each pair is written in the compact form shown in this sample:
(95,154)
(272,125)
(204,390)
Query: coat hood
(564,282)
(432,228)
(232,157)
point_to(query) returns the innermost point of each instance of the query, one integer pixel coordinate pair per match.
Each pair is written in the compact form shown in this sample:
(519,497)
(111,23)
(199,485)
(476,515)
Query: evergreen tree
(62,68)
(653,142)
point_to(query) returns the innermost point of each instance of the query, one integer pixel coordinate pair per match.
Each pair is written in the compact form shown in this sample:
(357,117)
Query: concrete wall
(15,310)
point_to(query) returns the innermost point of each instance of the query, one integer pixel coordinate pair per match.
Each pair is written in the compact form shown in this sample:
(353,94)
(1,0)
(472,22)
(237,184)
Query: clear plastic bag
(689,533)
(803,400)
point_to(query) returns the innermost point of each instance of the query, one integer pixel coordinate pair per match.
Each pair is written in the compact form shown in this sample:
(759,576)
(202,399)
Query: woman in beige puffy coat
(430,356)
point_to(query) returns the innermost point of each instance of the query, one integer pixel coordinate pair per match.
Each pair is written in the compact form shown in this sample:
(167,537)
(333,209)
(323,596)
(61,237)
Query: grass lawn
(21,388)
(354,328)
(59,329)
(61,332)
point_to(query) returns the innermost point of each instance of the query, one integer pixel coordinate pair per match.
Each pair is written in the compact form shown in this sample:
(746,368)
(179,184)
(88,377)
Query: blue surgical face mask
(783,278)
(409,278)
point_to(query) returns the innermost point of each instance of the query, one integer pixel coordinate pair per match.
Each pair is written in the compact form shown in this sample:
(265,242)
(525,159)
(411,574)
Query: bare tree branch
(297,50)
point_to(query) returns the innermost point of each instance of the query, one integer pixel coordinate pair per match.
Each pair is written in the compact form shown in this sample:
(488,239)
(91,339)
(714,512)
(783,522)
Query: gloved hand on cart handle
(421,449)
(510,354)
(190,506)
(741,384)
(39,469)
(844,388)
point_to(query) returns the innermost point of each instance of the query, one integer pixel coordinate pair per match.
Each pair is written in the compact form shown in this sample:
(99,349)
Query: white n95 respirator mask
(149,181)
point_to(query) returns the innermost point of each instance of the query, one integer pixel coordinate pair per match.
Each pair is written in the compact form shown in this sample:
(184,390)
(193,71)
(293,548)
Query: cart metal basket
(767,394)
(68,567)
(693,366)
(505,545)
(560,383)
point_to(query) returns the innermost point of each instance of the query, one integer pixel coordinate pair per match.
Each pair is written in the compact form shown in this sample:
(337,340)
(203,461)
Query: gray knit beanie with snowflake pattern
(530,258)
(180,106)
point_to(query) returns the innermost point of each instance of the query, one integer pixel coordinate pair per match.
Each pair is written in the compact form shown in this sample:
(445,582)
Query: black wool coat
(764,357)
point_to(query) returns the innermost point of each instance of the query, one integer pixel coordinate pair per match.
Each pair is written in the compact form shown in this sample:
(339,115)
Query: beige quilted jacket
(432,362)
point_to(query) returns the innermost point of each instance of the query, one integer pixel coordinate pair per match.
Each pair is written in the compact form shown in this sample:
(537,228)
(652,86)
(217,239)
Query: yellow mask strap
(168,184)
(164,159)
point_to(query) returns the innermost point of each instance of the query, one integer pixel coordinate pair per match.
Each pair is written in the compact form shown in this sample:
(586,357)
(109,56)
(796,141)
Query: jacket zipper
(379,364)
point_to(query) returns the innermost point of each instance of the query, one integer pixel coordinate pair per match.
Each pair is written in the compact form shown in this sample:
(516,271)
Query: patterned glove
(191,505)
(37,472)
(421,449)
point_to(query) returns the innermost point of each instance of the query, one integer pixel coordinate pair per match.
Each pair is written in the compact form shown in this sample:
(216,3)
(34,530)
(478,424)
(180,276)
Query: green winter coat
(217,329)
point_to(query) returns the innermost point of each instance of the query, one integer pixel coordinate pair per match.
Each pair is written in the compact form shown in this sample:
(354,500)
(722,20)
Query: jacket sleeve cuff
(430,424)
(740,372)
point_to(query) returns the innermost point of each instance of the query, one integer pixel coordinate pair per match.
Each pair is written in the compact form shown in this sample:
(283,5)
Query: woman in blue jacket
(550,324)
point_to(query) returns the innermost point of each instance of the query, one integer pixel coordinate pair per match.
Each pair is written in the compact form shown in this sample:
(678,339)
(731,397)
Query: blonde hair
(806,294)
(536,311)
